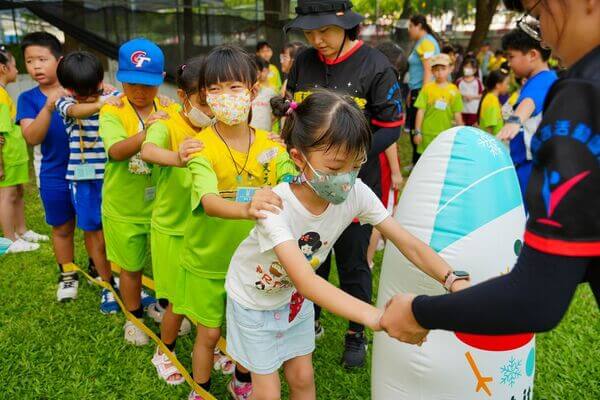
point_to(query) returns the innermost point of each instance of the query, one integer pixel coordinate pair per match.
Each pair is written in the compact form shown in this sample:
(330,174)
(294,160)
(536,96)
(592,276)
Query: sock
(113,283)
(164,303)
(244,377)
(205,385)
(171,346)
(139,313)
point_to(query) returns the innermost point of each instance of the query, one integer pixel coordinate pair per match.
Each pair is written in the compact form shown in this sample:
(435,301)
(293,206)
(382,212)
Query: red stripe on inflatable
(562,247)
(387,124)
(495,342)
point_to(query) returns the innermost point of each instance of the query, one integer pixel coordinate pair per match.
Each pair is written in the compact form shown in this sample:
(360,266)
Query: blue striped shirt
(85,144)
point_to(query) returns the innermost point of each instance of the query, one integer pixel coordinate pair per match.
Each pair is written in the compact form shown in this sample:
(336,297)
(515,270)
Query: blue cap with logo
(141,62)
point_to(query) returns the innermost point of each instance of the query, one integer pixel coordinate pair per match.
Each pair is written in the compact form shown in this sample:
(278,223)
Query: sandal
(223,363)
(166,369)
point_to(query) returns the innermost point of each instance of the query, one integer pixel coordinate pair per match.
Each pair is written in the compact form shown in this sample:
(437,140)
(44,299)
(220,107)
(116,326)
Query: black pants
(353,268)
(411,118)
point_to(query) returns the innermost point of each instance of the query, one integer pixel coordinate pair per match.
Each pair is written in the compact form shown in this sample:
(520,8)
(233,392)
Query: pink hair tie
(292,108)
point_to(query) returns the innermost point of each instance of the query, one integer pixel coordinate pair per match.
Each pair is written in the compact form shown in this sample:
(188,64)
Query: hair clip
(292,108)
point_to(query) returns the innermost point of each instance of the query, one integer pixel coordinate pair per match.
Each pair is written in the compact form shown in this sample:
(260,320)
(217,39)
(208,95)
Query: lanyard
(82,146)
(140,117)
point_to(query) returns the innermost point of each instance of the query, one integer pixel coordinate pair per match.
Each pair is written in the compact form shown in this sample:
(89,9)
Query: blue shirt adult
(425,48)
(55,147)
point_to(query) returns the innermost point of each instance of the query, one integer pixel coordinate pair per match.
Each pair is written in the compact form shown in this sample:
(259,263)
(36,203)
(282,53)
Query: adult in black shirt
(562,238)
(340,62)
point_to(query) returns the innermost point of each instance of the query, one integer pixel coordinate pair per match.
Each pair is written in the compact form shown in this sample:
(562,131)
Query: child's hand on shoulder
(116,101)
(155,116)
(107,89)
(276,138)
(53,97)
(187,148)
(264,199)
(165,101)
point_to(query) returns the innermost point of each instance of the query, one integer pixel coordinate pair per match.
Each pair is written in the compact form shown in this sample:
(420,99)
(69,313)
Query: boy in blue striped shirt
(81,74)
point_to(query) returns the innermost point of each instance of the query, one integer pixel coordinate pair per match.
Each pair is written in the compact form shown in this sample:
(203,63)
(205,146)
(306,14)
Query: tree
(485,11)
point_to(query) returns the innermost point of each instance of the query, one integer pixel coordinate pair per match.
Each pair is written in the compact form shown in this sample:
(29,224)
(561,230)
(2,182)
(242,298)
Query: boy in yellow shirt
(439,104)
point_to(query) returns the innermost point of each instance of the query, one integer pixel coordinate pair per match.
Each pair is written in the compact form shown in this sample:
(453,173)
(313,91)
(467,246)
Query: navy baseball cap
(141,62)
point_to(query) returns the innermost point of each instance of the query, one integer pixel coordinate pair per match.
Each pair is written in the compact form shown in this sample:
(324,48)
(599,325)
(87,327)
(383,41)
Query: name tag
(441,105)
(84,172)
(149,193)
(244,194)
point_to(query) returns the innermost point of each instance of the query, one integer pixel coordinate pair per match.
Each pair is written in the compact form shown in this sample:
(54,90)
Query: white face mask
(469,71)
(197,117)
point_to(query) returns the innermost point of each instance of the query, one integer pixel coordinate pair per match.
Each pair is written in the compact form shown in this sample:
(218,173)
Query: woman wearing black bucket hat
(340,62)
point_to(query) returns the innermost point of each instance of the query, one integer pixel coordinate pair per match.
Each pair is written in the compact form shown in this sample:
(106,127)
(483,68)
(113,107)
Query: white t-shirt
(257,280)
(472,88)
(261,109)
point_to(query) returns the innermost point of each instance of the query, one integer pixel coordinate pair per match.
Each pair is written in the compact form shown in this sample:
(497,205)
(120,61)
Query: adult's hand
(400,323)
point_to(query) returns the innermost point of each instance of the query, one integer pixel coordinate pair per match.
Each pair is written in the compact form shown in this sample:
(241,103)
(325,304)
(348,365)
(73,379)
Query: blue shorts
(262,341)
(57,205)
(87,201)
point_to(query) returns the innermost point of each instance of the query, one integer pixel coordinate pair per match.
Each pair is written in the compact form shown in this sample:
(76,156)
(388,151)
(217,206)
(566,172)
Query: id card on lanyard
(84,171)
(139,167)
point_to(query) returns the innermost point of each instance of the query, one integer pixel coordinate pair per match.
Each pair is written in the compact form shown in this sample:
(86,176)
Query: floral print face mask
(230,108)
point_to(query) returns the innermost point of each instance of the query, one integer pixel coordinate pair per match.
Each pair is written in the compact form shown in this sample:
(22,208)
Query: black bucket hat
(314,14)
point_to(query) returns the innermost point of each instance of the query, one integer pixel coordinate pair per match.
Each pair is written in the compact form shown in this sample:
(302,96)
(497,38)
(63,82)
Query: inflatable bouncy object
(463,199)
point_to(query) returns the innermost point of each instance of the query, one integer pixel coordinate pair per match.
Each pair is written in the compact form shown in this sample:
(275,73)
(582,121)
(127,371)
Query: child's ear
(181,95)
(297,158)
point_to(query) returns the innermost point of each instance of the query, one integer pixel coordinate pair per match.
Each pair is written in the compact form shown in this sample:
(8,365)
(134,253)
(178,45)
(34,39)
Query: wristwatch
(416,132)
(514,119)
(453,276)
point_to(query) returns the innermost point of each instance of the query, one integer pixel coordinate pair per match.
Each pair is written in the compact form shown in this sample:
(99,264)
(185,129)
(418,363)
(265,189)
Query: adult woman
(419,70)
(562,238)
(339,61)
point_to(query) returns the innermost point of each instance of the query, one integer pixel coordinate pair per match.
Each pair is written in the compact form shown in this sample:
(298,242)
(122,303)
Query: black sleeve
(293,76)
(382,139)
(384,100)
(533,297)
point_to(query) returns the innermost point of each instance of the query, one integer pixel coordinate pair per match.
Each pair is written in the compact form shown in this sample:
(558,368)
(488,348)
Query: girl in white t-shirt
(271,282)
(470,88)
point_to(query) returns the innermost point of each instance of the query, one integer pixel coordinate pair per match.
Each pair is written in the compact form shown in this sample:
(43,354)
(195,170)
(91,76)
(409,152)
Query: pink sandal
(166,369)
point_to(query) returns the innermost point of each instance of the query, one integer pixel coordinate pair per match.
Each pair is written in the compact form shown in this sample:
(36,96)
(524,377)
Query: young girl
(128,191)
(470,88)
(490,110)
(235,162)
(271,282)
(171,212)
(14,170)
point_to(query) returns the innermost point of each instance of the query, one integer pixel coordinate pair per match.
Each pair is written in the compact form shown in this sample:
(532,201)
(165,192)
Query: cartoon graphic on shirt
(309,244)
(274,279)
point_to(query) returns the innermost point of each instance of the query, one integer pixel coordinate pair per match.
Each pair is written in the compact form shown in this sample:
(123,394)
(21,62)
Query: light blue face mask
(331,187)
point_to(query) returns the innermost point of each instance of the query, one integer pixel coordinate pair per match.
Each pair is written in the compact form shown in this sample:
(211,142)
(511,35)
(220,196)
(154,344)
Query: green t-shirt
(440,104)
(14,150)
(171,209)
(209,242)
(490,115)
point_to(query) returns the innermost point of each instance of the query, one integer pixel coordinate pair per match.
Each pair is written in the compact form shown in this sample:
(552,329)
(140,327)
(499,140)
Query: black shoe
(355,350)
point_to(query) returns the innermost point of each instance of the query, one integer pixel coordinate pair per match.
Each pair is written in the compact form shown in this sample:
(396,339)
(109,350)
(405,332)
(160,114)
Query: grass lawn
(71,351)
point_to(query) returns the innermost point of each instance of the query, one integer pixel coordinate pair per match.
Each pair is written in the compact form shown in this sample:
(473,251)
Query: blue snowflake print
(511,371)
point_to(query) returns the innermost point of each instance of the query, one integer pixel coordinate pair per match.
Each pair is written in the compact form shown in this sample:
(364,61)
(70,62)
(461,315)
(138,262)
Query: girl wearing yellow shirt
(490,110)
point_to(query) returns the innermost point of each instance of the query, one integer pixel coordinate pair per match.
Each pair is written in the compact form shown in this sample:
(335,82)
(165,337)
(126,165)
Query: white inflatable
(463,199)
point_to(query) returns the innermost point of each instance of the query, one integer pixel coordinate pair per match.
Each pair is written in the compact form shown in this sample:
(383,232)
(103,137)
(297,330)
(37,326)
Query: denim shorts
(263,340)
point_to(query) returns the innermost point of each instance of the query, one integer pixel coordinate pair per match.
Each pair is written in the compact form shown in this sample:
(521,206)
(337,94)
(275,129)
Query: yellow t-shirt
(490,115)
(274,79)
(14,150)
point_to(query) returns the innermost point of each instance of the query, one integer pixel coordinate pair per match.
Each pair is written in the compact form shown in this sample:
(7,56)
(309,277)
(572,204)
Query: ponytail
(419,19)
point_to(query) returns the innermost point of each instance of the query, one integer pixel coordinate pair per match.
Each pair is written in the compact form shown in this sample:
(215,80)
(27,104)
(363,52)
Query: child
(470,88)
(271,282)
(265,51)
(490,110)
(289,52)
(171,209)
(81,75)
(41,124)
(439,103)
(14,170)
(128,191)
(528,60)
(262,115)
(235,161)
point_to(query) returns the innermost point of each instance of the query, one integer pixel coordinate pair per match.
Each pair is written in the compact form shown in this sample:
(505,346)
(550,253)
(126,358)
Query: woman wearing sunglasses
(562,238)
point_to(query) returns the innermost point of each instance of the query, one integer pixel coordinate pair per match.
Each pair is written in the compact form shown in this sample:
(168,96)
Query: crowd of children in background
(143,175)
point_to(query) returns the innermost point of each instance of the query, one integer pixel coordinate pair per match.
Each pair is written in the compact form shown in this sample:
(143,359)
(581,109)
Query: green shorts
(15,175)
(165,250)
(127,243)
(201,299)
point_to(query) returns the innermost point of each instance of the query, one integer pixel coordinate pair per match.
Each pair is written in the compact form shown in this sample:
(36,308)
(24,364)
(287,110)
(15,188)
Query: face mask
(331,187)
(230,108)
(197,117)
(468,72)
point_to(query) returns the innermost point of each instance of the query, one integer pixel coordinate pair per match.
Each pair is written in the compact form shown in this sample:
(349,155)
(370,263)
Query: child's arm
(83,110)
(417,252)
(126,148)
(153,154)
(524,111)
(418,123)
(35,130)
(264,199)
(391,153)
(321,292)
(458,119)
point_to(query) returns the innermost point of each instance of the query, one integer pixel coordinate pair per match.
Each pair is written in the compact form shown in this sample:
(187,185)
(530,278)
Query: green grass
(71,351)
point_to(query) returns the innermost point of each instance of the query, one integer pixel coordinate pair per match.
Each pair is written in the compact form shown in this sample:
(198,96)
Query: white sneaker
(67,287)
(21,246)
(34,237)
(185,328)
(135,335)
(156,312)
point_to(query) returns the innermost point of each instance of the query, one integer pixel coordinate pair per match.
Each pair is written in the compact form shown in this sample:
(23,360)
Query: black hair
(352,33)
(42,39)
(420,19)
(324,120)
(313,239)
(80,71)
(396,55)
(495,77)
(261,63)
(499,52)
(520,41)
(188,74)
(514,5)
(228,63)
(447,49)
(5,55)
(294,48)
(262,43)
